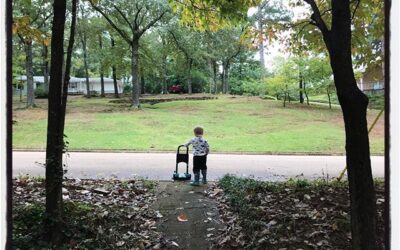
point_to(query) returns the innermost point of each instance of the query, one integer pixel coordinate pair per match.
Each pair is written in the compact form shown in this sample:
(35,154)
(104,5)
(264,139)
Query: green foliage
(367,31)
(199,82)
(211,14)
(127,89)
(41,92)
(251,87)
(376,101)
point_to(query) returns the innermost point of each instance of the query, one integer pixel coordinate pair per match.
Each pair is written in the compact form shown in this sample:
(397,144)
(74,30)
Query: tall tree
(114,72)
(186,42)
(55,140)
(131,19)
(29,19)
(334,20)
(83,36)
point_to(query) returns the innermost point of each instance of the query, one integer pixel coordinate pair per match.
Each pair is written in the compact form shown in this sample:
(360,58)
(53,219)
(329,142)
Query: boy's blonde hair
(198,131)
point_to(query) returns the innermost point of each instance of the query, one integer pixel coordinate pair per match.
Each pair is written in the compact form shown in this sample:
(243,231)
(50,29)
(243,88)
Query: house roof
(71,80)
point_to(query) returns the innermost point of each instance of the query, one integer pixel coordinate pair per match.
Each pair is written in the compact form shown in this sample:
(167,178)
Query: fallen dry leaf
(182,217)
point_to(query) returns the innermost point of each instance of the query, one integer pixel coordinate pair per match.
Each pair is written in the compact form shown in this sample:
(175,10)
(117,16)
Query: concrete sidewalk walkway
(160,166)
(179,198)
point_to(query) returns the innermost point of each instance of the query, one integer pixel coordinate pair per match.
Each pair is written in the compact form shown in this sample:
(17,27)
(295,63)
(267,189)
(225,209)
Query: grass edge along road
(232,124)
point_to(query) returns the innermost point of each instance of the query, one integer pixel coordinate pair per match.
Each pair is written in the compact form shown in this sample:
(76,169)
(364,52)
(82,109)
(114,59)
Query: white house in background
(372,80)
(77,85)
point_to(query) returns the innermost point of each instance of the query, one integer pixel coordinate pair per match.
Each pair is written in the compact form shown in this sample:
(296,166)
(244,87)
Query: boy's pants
(200,164)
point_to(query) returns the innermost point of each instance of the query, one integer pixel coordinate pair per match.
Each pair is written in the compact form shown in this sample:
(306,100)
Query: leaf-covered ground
(291,215)
(248,214)
(99,214)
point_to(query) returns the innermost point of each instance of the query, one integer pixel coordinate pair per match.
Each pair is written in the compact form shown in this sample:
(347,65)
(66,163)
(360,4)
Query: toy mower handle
(181,146)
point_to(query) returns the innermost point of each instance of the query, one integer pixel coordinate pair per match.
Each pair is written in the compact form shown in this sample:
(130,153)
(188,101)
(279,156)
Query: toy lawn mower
(182,157)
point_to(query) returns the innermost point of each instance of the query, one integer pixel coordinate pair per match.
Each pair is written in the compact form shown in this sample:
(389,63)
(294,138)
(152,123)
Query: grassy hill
(232,124)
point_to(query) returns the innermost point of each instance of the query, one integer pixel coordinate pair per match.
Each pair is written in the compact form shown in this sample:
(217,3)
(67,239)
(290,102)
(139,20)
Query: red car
(176,89)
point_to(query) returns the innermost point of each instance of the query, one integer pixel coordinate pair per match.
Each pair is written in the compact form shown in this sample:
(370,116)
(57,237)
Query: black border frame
(8,17)
(388,4)
(9,122)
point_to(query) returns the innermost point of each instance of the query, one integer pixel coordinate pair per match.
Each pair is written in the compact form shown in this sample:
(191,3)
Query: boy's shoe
(194,183)
(204,182)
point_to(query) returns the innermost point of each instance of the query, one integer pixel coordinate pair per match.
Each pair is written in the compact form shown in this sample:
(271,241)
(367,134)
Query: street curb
(216,153)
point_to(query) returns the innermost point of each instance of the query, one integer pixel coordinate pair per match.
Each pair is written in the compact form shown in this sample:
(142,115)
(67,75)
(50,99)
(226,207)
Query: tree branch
(149,25)
(355,9)
(141,19)
(180,47)
(124,17)
(316,17)
(137,16)
(120,31)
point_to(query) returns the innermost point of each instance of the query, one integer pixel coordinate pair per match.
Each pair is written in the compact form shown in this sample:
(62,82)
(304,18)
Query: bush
(127,89)
(40,92)
(247,87)
(376,101)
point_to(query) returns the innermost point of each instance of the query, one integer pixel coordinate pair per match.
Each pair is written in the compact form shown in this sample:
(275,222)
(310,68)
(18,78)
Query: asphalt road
(160,166)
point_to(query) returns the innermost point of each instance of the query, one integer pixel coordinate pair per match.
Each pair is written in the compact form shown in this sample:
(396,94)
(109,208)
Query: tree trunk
(85,60)
(114,73)
(354,107)
(261,40)
(329,97)
(189,75)
(225,84)
(54,148)
(210,74)
(215,77)
(29,74)
(223,78)
(301,97)
(101,68)
(142,85)
(228,87)
(135,72)
(45,67)
(305,92)
(164,76)
(241,68)
(284,99)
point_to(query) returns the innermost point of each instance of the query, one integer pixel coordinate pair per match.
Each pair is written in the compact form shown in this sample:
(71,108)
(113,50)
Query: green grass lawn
(241,124)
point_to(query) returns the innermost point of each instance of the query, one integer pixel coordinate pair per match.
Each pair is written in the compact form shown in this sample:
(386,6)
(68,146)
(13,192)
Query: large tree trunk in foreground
(135,76)
(54,148)
(29,74)
(354,107)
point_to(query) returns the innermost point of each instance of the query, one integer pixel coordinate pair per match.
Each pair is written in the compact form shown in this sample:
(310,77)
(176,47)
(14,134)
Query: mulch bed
(291,215)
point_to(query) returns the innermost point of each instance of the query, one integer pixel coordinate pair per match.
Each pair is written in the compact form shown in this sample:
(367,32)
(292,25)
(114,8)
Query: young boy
(200,152)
